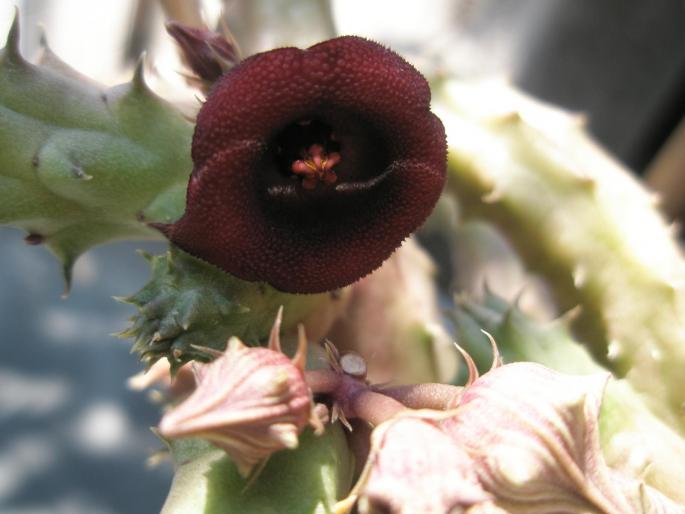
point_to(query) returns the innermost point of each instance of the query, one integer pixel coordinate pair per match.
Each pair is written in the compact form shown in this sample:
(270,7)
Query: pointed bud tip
(207,53)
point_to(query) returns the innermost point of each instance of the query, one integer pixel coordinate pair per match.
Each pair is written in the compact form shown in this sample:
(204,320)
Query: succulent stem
(82,164)
(377,404)
(424,396)
(581,221)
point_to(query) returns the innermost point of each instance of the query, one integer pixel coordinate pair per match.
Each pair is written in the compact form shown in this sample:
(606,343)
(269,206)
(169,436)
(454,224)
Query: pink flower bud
(415,467)
(209,54)
(533,437)
(250,402)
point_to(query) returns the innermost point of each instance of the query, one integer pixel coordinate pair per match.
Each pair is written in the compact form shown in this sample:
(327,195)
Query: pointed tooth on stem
(496,356)
(275,337)
(138,80)
(12,45)
(332,356)
(211,351)
(318,417)
(300,358)
(235,344)
(471,366)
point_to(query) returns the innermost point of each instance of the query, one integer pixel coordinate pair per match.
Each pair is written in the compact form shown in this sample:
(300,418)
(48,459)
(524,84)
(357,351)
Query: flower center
(309,151)
(316,166)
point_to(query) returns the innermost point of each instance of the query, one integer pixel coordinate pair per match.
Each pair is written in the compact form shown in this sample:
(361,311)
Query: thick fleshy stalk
(581,220)
(189,304)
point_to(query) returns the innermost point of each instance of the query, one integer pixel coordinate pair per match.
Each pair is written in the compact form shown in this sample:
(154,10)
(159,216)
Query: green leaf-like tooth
(190,302)
(169,327)
(11,51)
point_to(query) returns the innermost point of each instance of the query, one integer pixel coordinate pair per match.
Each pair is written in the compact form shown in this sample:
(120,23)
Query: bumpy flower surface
(312,166)
(250,402)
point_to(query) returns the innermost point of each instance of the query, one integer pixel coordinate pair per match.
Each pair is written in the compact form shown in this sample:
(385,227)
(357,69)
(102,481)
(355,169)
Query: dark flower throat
(308,151)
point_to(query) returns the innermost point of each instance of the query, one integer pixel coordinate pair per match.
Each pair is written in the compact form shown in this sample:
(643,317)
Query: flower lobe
(312,166)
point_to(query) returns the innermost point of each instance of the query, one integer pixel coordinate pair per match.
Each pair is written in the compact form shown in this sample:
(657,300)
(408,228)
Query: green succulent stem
(582,222)
(82,164)
(307,480)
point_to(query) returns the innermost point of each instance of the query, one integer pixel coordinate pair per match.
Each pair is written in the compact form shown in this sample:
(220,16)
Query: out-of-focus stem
(666,174)
(424,396)
(356,398)
(582,222)
(322,381)
(373,407)
(186,12)
(260,25)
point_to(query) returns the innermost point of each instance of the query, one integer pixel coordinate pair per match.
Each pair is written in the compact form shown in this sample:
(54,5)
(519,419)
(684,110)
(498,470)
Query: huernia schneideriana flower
(312,166)
(249,401)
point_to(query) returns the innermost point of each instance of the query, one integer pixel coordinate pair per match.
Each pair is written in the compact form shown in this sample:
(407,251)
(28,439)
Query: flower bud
(250,402)
(415,467)
(209,54)
(533,437)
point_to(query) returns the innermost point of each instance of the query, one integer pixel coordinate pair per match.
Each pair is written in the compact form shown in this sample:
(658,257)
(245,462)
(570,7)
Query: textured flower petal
(390,174)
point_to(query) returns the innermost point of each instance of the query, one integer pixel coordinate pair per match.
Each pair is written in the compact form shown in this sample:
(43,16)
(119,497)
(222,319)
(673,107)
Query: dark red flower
(312,166)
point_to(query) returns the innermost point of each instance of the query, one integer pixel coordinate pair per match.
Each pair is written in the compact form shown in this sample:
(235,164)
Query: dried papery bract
(312,166)
(250,402)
